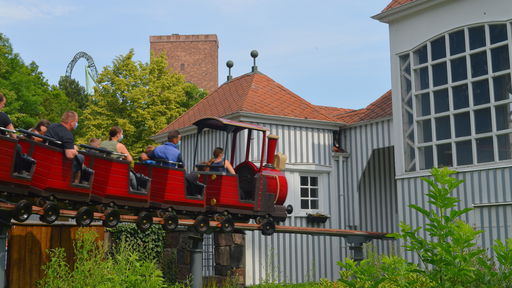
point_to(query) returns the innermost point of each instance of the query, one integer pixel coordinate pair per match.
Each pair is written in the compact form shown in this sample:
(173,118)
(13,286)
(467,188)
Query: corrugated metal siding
(360,142)
(479,187)
(300,258)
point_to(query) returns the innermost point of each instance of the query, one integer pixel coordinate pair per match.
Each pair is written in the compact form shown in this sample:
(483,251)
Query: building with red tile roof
(257,93)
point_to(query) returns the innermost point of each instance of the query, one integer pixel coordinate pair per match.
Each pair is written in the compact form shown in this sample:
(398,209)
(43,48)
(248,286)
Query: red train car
(255,191)
(16,172)
(116,185)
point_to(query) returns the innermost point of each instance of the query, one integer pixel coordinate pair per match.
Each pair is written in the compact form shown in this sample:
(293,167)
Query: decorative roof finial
(254,54)
(229,64)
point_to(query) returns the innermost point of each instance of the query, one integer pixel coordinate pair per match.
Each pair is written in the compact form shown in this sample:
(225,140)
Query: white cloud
(14,11)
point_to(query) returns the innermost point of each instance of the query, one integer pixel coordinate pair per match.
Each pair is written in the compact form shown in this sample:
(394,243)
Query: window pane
(500,60)
(421,78)
(484,150)
(503,117)
(498,33)
(462,124)
(476,37)
(424,131)
(423,104)
(441,103)
(314,204)
(304,192)
(304,180)
(426,157)
(439,74)
(457,42)
(502,89)
(460,97)
(504,147)
(464,153)
(479,64)
(420,55)
(459,69)
(314,193)
(483,121)
(304,204)
(443,128)
(444,155)
(481,92)
(313,181)
(438,48)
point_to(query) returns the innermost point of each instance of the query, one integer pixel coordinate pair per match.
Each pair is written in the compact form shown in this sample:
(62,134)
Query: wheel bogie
(84,216)
(22,211)
(50,214)
(112,217)
(144,221)
(201,224)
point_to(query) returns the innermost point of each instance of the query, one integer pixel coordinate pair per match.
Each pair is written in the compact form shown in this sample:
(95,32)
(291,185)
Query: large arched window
(456,98)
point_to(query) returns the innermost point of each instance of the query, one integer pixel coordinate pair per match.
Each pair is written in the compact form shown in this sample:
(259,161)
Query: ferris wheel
(91,73)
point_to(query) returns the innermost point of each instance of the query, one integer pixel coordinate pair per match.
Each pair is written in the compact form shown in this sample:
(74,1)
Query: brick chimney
(195,56)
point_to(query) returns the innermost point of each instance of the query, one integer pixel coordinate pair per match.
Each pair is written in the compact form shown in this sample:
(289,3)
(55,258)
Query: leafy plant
(449,253)
(381,271)
(450,250)
(93,267)
(149,244)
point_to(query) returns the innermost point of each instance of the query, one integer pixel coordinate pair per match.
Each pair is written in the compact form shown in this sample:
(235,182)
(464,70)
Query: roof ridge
(289,92)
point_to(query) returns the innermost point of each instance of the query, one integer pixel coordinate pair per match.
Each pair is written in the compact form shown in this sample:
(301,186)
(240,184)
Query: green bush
(149,244)
(94,267)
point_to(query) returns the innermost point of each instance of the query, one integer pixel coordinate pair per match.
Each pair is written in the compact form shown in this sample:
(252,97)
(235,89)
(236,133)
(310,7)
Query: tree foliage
(141,98)
(74,92)
(30,97)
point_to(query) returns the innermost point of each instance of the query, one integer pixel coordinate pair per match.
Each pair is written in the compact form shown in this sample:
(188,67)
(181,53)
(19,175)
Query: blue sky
(328,52)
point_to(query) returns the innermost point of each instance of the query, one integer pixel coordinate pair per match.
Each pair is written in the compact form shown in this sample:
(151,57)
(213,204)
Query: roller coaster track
(239,226)
(90,64)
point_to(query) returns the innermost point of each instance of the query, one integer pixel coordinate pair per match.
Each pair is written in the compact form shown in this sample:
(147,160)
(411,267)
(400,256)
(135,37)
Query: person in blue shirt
(169,151)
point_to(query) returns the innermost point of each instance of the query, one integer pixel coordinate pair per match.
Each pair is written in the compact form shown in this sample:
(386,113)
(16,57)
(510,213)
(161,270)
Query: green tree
(75,92)
(30,97)
(141,98)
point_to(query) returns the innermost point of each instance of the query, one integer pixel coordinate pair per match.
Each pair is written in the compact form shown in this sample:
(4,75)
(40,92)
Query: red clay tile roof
(396,3)
(253,92)
(258,93)
(380,108)
(332,111)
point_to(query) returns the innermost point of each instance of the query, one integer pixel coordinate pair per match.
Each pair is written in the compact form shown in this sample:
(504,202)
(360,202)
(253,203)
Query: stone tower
(195,56)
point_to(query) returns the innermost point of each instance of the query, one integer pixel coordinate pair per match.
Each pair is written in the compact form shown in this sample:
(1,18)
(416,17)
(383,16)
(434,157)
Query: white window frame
(449,85)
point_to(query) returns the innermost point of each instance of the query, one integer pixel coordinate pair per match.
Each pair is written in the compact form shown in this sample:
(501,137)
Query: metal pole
(196,260)
(5,225)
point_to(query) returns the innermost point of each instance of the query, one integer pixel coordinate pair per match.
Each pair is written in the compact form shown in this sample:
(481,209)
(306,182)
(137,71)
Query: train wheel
(84,216)
(22,211)
(144,221)
(227,225)
(201,224)
(51,213)
(268,227)
(112,218)
(170,222)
